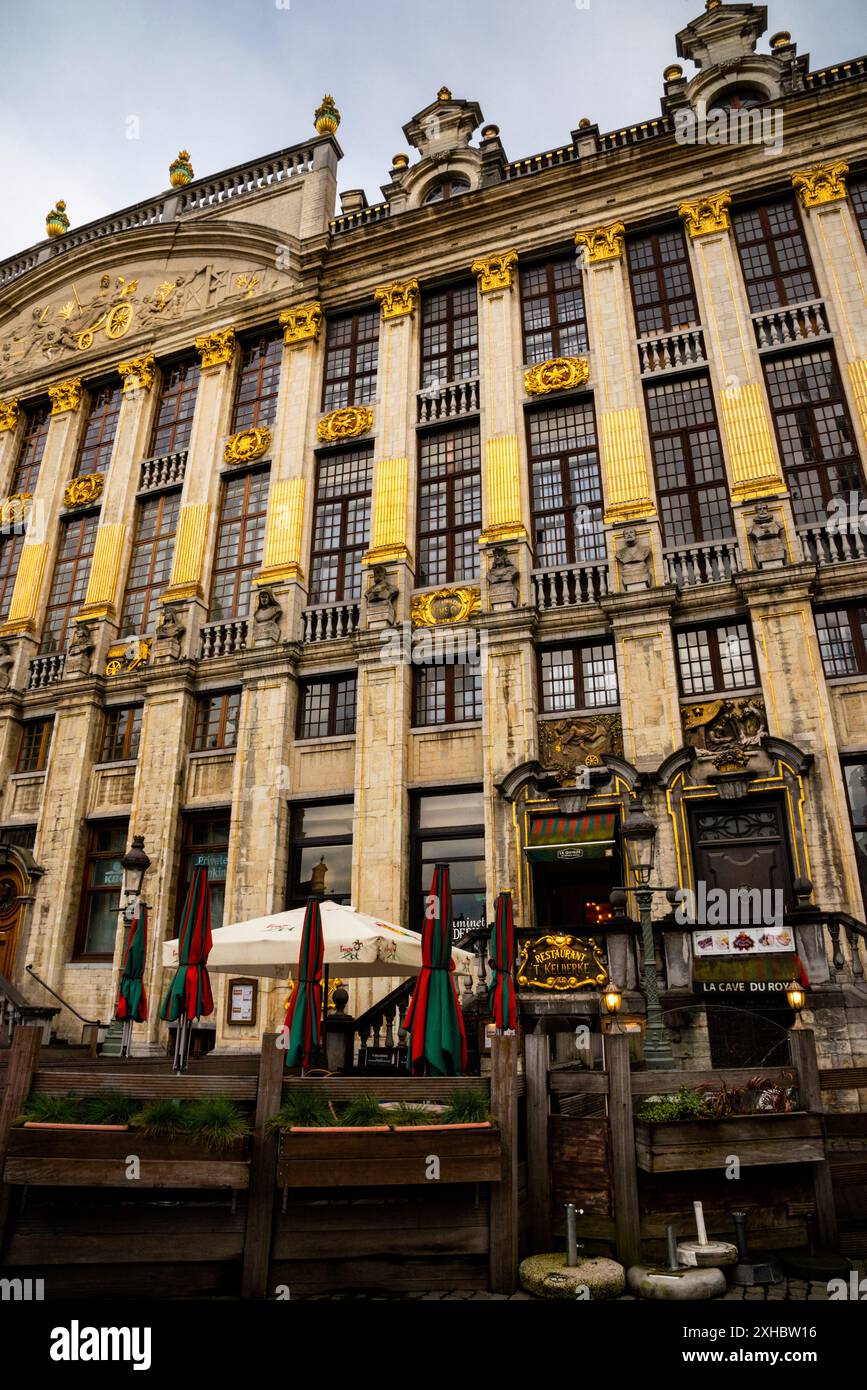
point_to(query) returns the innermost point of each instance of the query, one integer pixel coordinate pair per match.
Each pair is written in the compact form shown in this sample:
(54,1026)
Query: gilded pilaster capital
(65,395)
(602,243)
(495,272)
(302,324)
(137,373)
(9,412)
(706,215)
(397,299)
(216,348)
(822,183)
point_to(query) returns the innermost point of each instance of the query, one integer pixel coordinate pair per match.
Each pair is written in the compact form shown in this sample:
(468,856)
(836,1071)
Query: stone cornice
(792,585)
(641,608)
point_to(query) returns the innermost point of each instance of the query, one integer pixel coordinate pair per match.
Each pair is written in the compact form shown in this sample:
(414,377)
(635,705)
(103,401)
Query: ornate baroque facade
(255,452)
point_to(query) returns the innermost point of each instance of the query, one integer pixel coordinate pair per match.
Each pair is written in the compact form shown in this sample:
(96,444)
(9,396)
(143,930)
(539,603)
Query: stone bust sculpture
(266,618)
(767,539)
(7,661)
(80,650)
(381,594)
(633,557)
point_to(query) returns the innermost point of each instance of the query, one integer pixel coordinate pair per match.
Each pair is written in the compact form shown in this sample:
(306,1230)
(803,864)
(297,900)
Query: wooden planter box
(323,1158)
(681,1146)
(87,1158)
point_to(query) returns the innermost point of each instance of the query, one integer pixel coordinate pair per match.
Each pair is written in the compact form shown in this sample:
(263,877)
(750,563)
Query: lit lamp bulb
(612,999)
(797,997)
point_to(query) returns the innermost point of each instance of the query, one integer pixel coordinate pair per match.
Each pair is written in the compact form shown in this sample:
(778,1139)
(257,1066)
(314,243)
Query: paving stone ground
(791,1290)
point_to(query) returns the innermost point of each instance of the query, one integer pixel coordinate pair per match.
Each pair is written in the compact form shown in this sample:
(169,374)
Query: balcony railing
(671,352)
(455,398)
(823,545)
(46,670)
(361,217)
(323,622)
(167,471)
(569,586)
(710,562)
(223,639)
(795,323)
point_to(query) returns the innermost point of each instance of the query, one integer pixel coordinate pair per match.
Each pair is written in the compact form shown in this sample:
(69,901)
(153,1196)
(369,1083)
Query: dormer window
(741,98)
(447,188)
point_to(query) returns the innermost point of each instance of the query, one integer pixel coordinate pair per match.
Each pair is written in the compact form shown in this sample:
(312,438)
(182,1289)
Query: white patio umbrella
(355,945)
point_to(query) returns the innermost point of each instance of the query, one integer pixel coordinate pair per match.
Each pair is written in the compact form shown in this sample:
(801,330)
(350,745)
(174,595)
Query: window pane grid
(842,634)
(217,721)
(659,274)
(578,677)
(97,442)
(328,708)
(174,421)
(69,584)
(351,350)
(449,336)
(815,433)
(258,381)
(774,256)
(10,554)
(35,742)
(447,694)
(122,734)
(552,305)
(32,449)
(103,878)
(566,485)
(341,524)
(240,539)
(450,505)
(715,659)
(151,562)
(688,462)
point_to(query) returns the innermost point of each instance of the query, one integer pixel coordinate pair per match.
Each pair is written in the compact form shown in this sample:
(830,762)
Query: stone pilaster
(646,674)
(798,710)
(509,738)
(12,425)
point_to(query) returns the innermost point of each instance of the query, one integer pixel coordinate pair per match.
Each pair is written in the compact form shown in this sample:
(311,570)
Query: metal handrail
(98,1022)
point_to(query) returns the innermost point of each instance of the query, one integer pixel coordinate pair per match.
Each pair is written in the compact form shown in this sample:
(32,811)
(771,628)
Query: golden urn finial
(181,170)
(327,117)
(56,221)
(444,94)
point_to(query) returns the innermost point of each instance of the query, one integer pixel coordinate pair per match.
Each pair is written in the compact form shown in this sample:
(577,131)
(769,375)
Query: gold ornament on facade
(672,73)
(84,491)
(397,299)
(445,606)
(444,94)
(9,412)
(706,215)
(560,962)
(557,374)
(138,373)
(302,324)
(65,395)
(823,183)
(181,170)
(602,243)
(725,732)
(216,348)
(495,272)
(247,445)
(123,657)
(13,509)
(567,745)
(347,423)
(326,118)
(56,221)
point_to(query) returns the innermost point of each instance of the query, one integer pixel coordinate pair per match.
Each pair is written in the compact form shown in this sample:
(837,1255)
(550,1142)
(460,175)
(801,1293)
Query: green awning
(558,839)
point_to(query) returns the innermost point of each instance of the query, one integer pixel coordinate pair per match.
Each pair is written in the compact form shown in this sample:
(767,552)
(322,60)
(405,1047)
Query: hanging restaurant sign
(561,962)
(558,839)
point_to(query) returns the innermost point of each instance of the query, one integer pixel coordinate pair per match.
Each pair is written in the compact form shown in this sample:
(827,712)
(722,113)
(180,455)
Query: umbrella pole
(178,1026)
(127,1037)
(185,1046)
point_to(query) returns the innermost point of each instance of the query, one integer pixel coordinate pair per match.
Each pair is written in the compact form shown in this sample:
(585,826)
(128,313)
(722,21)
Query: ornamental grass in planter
(304,1110)
(109,1110)
(215,1121)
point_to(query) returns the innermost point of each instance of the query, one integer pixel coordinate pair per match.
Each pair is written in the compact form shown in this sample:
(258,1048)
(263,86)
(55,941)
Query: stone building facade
(450,527)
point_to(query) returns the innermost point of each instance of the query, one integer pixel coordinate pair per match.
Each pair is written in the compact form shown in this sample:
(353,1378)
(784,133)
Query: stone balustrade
(223,639)
(569,586)
(159,473)
(46,670)
(707,562)
(447,402)
(824,544)
(660,353)
(776,328)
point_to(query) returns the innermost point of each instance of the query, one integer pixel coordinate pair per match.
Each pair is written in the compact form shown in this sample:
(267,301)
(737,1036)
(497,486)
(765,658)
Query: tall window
(206,843)
(217,721)
(32,448)
(842,634)
(258,381)
(10,553)
(341,524)
(320,838)
(449,336)
(858,194)
(97,441)
(774,256)
(579,677)
(122,734)
(98,918)
(855,773)
(34,746)
(71,573)
(449,828)
(662,292)
(450,505)
(174,421)
(566,486)
(351,351)
(814,430)
(326,708)
(240,537)
(151,563)
(687,456)
(716,659)
(447,694)
(552,307)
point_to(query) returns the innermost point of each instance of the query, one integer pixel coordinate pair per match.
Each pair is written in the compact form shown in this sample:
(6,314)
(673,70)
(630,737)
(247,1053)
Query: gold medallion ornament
(557,374)
(326,118)
(138,373)
(823,183)
(216,348)
(706,215)
(397,299)
(347,423)
(445,606)
(495,272)
(602,243)
(56,221)
(84,491)
(302,324)
(9,412)
(66,395)
(181,170)
(247,445)
(561,962)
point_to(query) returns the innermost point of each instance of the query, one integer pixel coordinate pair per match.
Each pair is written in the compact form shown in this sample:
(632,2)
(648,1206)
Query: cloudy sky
(98,96)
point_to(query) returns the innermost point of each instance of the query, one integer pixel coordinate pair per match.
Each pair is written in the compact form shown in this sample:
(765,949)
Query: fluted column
(840,259)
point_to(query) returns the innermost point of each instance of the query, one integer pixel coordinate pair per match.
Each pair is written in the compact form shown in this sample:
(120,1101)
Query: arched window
(740,98)
(447,188)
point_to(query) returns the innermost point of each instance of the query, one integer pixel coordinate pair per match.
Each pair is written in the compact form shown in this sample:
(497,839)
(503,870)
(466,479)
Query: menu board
(242,1001)
(742,941)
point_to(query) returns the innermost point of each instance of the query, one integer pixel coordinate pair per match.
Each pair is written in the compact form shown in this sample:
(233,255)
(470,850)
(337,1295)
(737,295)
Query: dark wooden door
(744,845)
(11,908)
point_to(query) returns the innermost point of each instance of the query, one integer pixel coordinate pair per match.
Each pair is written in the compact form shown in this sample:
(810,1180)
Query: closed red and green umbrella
(434,1022)
(189,994)
(302,1026)
(501,992)
(132,1003)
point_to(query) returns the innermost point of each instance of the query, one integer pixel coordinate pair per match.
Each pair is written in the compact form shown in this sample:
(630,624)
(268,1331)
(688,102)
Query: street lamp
(797,997)
(612,999)
(639,834)
(135,864)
